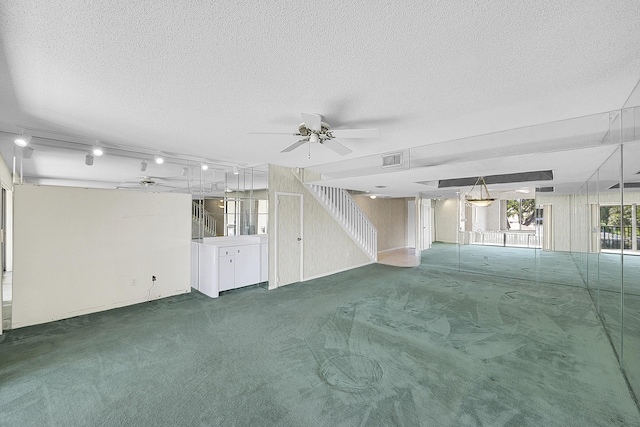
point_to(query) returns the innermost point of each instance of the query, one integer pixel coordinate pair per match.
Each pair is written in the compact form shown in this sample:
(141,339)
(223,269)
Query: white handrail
(348,214)
(202,216)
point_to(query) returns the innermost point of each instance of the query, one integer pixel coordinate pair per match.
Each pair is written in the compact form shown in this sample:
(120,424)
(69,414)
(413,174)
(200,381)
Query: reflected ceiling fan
(313,129)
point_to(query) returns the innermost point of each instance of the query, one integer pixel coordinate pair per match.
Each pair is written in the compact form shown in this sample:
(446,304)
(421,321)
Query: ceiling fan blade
(312,121)
(294,145)
(336,146)
(355,133)
(272,133)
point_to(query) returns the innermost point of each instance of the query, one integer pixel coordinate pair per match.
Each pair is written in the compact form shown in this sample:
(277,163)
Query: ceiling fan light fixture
(314,137)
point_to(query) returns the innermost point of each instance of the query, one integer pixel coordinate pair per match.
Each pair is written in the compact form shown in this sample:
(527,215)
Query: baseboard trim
(393,249)
(336,271)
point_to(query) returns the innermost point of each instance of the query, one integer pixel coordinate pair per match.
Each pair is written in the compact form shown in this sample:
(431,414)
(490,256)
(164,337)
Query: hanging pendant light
(482,201)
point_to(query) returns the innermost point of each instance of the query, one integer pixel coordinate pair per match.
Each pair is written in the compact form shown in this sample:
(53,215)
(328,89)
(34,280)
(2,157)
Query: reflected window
(522,214)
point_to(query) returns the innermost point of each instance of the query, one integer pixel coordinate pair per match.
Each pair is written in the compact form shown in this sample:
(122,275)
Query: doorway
(289,249)
(426,227)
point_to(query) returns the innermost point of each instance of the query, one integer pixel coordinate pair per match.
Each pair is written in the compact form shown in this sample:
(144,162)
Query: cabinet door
(247,258)
(226,272)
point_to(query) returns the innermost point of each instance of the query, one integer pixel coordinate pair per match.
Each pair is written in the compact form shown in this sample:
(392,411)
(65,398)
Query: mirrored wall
(587,238)
(240,206)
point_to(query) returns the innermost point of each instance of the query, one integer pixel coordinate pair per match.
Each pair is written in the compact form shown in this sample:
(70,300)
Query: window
(521,214)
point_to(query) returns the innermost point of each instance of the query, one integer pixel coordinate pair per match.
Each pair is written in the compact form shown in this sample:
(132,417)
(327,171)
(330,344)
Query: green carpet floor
(374,346)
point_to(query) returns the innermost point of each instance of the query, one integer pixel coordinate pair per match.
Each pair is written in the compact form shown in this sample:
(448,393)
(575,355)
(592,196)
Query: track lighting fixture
(88,160)
(185,171)
(97,150)
(143,166)
(23,140)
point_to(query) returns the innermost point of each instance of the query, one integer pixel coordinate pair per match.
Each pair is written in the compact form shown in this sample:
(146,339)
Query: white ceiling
(195,77)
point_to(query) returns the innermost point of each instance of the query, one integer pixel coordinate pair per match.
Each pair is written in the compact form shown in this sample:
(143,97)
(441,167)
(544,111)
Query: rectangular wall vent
(392,160)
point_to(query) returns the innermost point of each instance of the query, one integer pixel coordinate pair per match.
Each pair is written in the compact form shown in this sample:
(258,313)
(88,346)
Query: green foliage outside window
(523,209)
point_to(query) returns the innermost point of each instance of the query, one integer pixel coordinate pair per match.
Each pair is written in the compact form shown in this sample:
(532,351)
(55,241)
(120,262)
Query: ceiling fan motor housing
(303,130)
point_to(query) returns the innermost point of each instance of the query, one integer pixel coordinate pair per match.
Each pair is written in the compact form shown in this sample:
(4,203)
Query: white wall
(79,250)
(389,216)
(446,220)
(562,220)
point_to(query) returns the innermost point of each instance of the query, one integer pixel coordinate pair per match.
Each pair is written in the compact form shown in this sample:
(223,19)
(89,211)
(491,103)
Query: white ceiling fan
(313,129)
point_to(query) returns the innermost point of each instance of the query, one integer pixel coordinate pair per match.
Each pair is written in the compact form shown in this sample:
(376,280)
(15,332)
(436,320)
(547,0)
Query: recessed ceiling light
(205,167)
(159,160)
(373,196)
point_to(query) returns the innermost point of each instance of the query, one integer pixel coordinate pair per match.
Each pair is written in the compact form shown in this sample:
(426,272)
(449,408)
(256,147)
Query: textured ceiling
(195,77)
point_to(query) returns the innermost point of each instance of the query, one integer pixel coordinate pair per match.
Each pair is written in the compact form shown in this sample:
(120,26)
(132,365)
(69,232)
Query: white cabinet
(229,263)
(239,266)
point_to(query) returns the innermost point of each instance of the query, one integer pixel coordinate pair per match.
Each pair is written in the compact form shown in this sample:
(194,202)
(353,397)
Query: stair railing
(204,217)
(348,214)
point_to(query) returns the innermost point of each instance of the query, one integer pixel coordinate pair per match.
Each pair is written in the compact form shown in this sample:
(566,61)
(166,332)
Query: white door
(411,224)
(426,227)
(288,238)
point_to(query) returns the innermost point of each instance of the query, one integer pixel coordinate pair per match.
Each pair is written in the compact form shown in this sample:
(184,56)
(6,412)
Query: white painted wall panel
(446,220)
(389,216)
(79,250)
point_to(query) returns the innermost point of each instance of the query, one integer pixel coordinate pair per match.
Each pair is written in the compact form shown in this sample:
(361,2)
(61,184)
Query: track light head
(88,160)
(23,140)
(143,166)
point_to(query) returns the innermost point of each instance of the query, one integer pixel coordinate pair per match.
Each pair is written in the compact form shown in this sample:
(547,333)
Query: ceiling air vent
(499,179)
(545,189)
(392,160)
(626,185)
